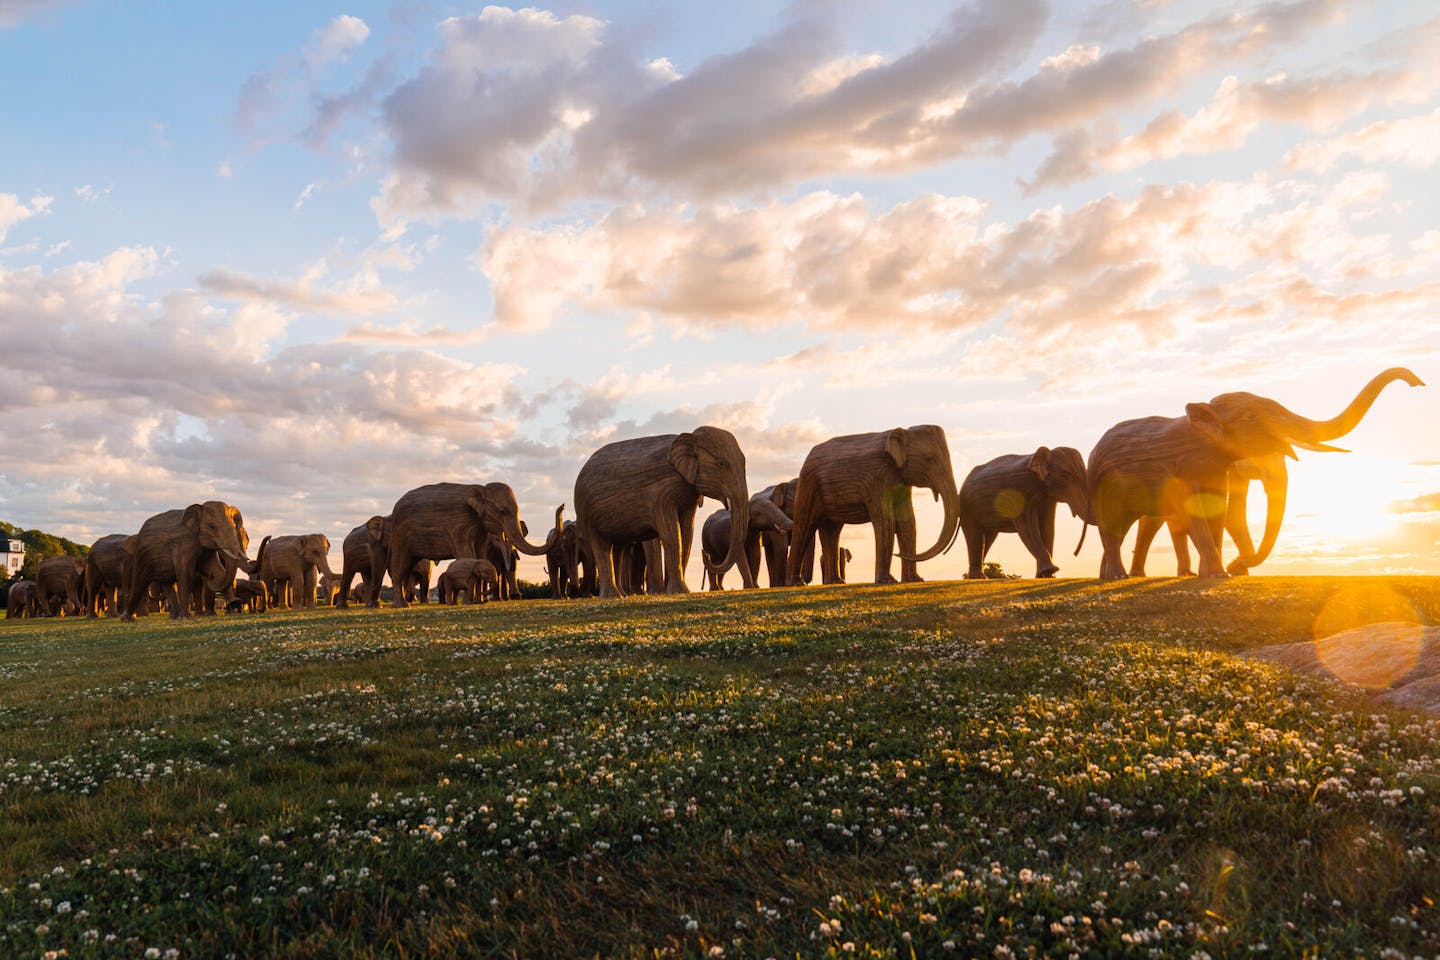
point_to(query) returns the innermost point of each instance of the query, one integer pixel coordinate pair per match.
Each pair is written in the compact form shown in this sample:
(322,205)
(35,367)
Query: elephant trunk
(951,527)
(517,536)
(252,567)
(739,530)
(1271,471)
(1305,430)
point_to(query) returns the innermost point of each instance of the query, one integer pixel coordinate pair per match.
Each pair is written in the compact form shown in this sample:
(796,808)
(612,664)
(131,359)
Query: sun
(1340,497)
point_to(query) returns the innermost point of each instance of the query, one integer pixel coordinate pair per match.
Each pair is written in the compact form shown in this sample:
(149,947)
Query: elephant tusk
(1319,447)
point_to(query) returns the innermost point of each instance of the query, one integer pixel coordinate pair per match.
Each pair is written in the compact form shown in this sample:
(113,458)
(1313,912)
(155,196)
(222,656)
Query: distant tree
(993,571)
(533,591)
(39,546)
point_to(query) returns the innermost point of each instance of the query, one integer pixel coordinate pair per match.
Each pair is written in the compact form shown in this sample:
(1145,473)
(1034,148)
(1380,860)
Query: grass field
(990,769)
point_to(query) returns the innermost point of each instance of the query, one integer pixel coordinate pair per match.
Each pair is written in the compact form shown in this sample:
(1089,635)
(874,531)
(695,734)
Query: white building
(12,556)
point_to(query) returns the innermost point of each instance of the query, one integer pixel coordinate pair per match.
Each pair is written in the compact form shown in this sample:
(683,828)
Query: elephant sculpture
(1179,470)
(631,491)
(1018,493)
(775,544)
(290,568)
(867,478)
(22,600)
(471,578)
(444,521)
(250,595)
(171,549)
(505,558)
(565,562)
(766,516)
(60,578)
(366,553)
(105,575)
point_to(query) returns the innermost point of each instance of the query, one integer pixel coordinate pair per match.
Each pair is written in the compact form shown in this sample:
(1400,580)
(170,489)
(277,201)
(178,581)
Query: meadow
(996,769)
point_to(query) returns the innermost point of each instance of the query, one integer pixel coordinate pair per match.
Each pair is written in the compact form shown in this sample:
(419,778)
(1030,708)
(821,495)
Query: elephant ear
(376,528)
(476,501)
(895,446)
(1040,463)
(1203,418)
(685,458)
(780,493)
(130,545)
(191,519)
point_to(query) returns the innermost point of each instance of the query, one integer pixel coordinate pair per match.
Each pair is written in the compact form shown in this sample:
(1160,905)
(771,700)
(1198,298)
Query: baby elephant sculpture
(470,578)
(766,516)
(1018,494)
(22,600)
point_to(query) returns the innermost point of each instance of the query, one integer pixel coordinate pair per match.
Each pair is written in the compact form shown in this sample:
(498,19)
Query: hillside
(957,769)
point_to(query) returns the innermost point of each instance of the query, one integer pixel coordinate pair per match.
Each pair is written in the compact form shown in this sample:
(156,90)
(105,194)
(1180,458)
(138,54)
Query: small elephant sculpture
(1018,494)
(60,579)
(565,562)
(471,578)
(766,516)
(105,575)
(292,567)
(22,600)
(867,478)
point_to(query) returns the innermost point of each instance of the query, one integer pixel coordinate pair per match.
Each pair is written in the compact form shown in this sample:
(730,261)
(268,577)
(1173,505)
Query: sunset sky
(303,258)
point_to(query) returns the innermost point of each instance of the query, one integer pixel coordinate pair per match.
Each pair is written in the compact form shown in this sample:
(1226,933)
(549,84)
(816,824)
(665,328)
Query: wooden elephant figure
(171,547)
(776,544)
(649,488)
(105,575)
(292,567)
(867,478)
(569,565)
(1018,493)
(766,516)
(22,600)
(445,521)
(506,559)
(470,578)
(60,578)
(1179,470)
(251,595)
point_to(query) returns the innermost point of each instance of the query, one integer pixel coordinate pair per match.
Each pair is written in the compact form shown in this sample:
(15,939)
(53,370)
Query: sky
(304,257)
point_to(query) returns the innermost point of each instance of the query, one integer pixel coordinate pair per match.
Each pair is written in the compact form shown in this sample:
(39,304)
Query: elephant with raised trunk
(172,550)
(290,568)
(1193,472)
(565,563)
(445,521)
(1018,493)
(470,578)
(649,488)
(22,600)
(867,478)
(766,516)
(60,579)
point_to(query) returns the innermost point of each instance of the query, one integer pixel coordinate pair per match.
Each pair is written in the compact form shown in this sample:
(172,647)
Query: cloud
(527,108)
(334,42)
(1235,112)
(293,75)
(1410,141)
(362,294)
(12,211)
(14,12)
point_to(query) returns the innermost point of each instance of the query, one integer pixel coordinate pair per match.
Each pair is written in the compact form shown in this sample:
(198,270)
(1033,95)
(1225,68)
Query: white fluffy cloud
(1410,141)
(12,211)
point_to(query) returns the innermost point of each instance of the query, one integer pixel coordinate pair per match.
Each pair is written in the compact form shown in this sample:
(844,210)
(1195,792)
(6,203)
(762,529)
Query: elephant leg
(670,557)
(807,519)
(830,553)
(603,552)
(1032,535)
(905,534)
(884,527)
(1200,533)
(752,556)
(807,562)
(307,601)
(975,546)
(1111,539)
(1181,542)
(1144,536)
(177,592)
(401,563)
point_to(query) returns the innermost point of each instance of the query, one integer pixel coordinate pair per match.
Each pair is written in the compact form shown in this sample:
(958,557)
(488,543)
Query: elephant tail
(1084,528)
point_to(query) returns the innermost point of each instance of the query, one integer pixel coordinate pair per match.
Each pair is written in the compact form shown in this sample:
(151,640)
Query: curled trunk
(1272,472)
(1303,429)
(948,531)
(517,536)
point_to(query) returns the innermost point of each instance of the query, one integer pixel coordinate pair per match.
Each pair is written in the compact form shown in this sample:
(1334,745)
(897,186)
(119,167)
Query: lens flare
(1009,503)
(1367,635)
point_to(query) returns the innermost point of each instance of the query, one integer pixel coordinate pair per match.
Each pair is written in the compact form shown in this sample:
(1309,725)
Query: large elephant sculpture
(1018,493)
(60,579)
(867,478)
(650,487)
(1183,471)
(445,521)
(291,566)
(22,600)
(470,578)
(766,516)
(569,565)
(105,575)
(171,549)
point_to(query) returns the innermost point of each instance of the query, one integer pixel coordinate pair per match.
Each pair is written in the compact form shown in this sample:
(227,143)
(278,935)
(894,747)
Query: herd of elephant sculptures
(636,501)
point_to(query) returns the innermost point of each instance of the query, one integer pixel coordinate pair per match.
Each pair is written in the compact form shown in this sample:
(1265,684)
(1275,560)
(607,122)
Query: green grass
(958,769)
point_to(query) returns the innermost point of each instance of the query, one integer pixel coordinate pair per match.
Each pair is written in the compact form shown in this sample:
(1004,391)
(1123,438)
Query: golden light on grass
(1368,635)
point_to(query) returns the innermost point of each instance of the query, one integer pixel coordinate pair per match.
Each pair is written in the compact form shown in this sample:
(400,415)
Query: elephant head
(922,455)
(1260,434)
(710,460)
(499,513)
(1062,470)
(219,527)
